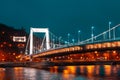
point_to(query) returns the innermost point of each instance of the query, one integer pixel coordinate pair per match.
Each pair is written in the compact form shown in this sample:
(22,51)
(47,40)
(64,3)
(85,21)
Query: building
(12,42)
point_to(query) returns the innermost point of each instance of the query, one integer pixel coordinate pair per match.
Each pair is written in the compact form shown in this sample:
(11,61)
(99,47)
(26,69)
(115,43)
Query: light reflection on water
(92,72)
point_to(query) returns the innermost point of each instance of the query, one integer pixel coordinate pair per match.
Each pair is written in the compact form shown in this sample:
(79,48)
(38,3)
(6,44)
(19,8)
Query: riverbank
(14,64)
(83,63)
(48,64)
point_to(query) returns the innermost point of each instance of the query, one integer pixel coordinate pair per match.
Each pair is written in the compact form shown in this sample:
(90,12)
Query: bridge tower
(39,30)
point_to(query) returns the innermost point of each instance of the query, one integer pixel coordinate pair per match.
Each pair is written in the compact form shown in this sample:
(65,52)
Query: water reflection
(89,72)
(92,72)
(2,74)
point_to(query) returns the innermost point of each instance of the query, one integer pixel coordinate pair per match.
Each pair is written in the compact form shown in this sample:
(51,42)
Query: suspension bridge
(102,47)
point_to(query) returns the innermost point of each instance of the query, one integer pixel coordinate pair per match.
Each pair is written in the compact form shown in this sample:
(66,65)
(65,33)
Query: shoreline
(49,64)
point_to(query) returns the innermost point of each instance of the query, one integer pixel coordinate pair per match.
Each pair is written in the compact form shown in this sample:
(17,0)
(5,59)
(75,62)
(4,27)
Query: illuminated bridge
(104,47)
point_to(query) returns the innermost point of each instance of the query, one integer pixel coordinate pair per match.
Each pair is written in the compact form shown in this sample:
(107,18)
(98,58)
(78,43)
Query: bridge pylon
(39,30)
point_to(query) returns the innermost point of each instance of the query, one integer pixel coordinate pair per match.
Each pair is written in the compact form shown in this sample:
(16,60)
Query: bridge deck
(90,47)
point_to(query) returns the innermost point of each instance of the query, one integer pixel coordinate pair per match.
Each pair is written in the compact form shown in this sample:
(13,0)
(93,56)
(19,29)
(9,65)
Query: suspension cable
(102,33)
(42,42)
(27,44)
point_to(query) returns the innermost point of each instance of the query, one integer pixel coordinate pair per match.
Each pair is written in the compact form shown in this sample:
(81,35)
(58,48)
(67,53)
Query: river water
(91,72)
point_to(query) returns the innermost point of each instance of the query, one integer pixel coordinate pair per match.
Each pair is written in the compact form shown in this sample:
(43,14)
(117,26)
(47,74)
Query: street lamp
(114,33)
(73,40)
(79,36)
(92,32)
(66,42)
(53,43)
(68,38)
(109,30)
(59,40)
(104,35)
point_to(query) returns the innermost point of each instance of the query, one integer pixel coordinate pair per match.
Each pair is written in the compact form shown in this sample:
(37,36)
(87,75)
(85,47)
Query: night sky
(61,16)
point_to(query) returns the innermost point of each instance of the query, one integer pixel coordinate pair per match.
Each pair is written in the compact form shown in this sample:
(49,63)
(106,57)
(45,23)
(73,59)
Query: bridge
(104,47)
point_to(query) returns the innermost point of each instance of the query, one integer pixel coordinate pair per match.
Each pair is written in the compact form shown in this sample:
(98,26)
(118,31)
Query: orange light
(1,45)
(99,45)
(113,44)
(118,43)
(114,51)
(90,70)
(13,53)
(10,45)
(4,42)
(107,69)
(3,59)
(105,58)
(3,32)
(81,57)
(71,69)
(96,52)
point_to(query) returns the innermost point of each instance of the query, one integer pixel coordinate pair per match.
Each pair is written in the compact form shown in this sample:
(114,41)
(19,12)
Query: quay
(49,64)
(15,64)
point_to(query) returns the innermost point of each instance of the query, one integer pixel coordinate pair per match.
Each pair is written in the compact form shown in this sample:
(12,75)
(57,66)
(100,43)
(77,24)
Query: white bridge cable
(26,51)
(55,40)
(41,47)
(101,34)
(54,44)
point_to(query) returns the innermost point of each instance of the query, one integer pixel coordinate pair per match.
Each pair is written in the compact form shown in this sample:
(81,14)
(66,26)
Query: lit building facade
(12,42)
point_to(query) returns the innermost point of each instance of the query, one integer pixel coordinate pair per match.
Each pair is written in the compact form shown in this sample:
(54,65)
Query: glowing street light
(66,42)
(68,38)
(109,30)
(73,40)
(114,33)
(92,33)
(104,35)
(79,36)
(59,40)
(53,43)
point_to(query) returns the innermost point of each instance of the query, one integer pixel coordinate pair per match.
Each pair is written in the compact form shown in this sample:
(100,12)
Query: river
(90,72)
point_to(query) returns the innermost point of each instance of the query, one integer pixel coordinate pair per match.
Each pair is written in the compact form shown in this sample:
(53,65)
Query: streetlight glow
(60,40)
(65,42)
(53,43)
(79,36)
(92,32)
(114,33)
(109,29)
(73,40)
(68,38)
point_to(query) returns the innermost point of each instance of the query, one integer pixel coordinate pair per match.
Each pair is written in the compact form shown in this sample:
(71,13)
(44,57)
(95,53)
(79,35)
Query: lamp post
(68,38)
(109,30)
(59,40)
(92,33)
(73,40)
(104,35)
(66,42)
(114,33)
(79,36)
(53,43)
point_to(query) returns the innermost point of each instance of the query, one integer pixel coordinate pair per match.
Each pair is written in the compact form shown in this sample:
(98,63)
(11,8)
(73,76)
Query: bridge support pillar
(31,42)
(39,30)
